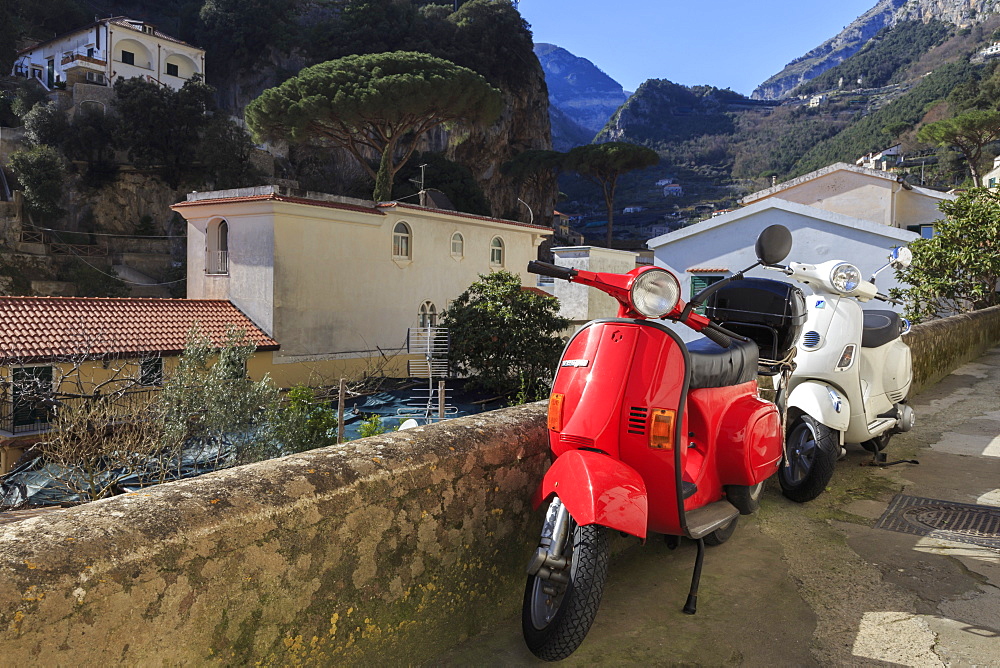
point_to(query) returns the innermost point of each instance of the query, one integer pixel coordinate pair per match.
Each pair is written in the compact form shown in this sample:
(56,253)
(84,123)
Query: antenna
(531,214)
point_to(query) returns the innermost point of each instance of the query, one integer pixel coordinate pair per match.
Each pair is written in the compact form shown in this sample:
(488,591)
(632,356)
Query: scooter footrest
(703,521)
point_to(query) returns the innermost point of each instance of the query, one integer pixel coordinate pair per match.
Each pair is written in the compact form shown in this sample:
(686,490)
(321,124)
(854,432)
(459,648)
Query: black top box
(770,312)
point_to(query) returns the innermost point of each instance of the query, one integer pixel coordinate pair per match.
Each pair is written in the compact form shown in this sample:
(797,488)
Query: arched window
(457,245)
(496,252)
(428,314)
(217,260)
(401,242)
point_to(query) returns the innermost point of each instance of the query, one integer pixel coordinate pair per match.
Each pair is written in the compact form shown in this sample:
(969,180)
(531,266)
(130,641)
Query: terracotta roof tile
(34,329)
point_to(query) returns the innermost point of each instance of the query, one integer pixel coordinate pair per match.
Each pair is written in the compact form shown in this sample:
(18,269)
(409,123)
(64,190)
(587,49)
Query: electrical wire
(104,234)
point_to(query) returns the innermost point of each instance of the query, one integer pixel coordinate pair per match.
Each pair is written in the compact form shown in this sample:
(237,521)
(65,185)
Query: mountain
(581,97)
(853,38)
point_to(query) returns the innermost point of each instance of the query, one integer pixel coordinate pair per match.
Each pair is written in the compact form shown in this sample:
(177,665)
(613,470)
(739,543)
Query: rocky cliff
(886,13)
(583,96)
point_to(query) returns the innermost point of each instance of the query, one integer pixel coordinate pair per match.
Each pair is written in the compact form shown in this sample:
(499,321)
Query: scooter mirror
(773,244)
(901,257)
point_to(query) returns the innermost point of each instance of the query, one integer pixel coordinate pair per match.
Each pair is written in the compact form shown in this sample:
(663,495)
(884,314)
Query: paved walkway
(817,584)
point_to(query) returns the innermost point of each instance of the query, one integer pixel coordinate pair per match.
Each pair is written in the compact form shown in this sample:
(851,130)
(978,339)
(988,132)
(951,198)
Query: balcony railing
(81,56)
(217,262)
(31,417)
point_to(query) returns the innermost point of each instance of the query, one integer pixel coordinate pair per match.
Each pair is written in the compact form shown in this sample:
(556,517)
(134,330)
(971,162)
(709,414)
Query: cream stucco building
(336,281)
(867,194)
(107,50)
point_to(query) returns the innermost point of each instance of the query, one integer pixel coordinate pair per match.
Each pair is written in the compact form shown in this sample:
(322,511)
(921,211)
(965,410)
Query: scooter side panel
(749,447)
(597,489)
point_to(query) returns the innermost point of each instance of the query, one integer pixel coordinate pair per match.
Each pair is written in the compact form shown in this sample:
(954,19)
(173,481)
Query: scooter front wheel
(811,450)
(559,610)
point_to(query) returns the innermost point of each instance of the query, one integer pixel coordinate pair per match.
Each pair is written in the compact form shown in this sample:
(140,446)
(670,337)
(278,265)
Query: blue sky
(724,43)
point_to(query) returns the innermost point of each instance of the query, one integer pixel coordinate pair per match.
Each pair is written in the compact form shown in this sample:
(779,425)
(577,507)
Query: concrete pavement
(818,584)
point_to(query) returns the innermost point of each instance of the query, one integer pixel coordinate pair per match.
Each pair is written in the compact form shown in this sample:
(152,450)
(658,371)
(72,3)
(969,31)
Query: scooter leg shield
(597,489)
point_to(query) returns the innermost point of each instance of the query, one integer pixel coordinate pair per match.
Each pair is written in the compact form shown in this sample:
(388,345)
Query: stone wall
(384,552)
(387,551)
(940,346)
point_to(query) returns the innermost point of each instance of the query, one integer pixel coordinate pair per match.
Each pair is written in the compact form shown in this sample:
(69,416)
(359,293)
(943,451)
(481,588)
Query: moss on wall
(389,551)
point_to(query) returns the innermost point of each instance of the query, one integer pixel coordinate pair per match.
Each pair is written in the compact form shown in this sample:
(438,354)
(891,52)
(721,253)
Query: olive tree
(603,165)
(376,105)
(958,269)
(506,338)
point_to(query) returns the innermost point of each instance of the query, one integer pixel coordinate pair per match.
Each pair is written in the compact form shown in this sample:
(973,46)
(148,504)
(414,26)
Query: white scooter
(852,376)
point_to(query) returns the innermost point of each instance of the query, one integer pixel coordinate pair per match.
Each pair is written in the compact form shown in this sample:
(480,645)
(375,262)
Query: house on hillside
(858,192)
(991,179)
(109,49)
(79,348)
(673,190)
(882,160)
(336,281)
(706,252)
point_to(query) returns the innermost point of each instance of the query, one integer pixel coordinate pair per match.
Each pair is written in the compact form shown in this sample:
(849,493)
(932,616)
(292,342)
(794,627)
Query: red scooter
(650,435)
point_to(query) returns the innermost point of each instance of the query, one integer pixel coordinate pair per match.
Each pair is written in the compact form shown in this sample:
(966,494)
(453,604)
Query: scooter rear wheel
(554,625)
(811,451)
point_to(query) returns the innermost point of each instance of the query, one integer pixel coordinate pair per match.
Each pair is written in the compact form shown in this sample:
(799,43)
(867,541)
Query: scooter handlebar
(546,269)
(715,334)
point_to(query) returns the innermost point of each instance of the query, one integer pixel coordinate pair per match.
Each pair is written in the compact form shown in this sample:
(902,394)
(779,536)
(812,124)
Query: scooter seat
(715,366)
(879,328)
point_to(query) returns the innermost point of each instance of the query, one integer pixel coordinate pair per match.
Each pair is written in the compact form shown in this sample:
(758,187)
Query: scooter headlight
(845,277)
(655,292)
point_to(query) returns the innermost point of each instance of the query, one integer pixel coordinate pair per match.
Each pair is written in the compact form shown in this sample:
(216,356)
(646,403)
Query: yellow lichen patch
(32,595)
(293,644)
(333,623)
(31,565)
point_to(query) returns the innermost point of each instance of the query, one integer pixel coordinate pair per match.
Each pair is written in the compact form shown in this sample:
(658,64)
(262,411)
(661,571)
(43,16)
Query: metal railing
(29,416)
(217,262)
(94,58)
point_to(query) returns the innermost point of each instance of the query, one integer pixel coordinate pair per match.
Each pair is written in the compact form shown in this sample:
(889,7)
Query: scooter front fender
(822,402)
(597,489)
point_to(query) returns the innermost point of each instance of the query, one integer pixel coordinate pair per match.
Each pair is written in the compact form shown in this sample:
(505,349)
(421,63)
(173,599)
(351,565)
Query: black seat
(879,328)
(715,366)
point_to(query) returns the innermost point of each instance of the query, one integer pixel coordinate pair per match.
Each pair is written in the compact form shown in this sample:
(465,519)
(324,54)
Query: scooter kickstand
(691,606)
(879,460)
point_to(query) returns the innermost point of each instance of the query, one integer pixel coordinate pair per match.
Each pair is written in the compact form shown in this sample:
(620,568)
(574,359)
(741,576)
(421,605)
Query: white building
(107,50)
(711,250)
(337,282)
(868,194)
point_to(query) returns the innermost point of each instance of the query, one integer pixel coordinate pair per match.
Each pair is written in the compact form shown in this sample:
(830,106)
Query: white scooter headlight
(845,277)
(655,293)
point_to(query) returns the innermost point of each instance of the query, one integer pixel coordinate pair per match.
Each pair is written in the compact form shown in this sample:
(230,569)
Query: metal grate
(810,339)
(637,420)
(577,441)
(947,520)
